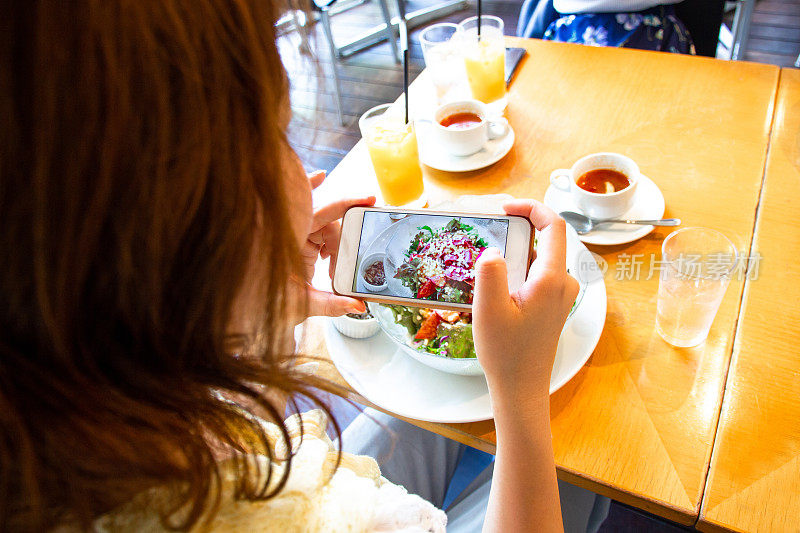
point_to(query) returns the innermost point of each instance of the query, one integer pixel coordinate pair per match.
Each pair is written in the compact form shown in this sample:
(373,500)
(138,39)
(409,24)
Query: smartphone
(513,58)
(425,258)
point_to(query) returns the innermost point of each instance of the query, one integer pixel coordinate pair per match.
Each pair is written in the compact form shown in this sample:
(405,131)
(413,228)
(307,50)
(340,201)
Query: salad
(445,333)
(440,265)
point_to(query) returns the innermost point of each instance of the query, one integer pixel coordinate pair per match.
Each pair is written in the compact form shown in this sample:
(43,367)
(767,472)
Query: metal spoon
(584,224)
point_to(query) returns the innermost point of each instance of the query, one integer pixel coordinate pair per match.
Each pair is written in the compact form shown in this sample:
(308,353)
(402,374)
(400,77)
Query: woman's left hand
(323,241)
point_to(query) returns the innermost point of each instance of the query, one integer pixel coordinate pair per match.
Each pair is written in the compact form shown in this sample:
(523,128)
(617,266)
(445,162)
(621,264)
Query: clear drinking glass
(392,146)
(443,60)
(485,60)
(696,267)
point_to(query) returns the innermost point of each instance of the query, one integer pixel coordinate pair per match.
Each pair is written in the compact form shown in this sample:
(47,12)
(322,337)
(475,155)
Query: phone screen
(429,257)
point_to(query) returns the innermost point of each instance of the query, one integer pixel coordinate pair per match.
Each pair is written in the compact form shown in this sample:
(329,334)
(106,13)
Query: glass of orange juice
(392,145)
(485,60)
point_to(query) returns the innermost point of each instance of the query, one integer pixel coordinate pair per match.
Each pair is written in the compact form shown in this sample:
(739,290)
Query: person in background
(640,24)
(158,240)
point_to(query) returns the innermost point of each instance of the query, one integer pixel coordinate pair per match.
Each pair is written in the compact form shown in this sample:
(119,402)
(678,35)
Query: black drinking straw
(401,4)
(405,79)
(479,20)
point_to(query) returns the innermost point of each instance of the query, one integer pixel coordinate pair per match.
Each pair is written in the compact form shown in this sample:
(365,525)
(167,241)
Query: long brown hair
(140,180)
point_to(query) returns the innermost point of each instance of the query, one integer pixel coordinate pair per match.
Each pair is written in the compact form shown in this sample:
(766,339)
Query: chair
(324,8)
(733,41)
(390,26)
(388,30)
(741,27)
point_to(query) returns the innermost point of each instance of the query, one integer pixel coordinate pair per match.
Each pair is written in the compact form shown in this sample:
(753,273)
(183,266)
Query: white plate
(648,203)
(435,157)
(379,370)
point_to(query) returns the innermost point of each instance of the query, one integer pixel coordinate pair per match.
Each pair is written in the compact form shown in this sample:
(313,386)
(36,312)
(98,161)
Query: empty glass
(485,60)
(443,61)
(696,267)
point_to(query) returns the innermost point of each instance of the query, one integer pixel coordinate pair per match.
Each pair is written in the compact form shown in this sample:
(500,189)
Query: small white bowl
(356,328)
(367,261)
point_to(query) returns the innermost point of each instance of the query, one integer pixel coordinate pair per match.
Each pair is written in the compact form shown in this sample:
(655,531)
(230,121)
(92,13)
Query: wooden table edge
(711,526)
(657,507)
(702,523)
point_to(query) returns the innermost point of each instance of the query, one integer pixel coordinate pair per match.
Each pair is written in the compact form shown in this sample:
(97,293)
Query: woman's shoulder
(324,491)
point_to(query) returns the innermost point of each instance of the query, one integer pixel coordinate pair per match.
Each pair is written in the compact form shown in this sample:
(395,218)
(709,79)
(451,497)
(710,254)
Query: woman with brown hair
(158,239)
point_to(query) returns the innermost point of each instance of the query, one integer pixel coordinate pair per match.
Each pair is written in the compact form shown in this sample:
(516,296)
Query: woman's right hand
(516,335)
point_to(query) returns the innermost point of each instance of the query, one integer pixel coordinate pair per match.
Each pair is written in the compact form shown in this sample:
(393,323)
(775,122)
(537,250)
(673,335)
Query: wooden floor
(372,77)
(775,33)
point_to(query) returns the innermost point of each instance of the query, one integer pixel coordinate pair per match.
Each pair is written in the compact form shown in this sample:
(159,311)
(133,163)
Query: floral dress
(653,29)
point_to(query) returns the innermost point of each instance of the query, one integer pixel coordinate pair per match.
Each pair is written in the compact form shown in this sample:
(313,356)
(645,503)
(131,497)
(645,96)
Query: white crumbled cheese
(429,268)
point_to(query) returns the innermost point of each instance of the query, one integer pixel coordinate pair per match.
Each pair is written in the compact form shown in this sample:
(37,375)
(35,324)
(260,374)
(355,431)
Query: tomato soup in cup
(602,185)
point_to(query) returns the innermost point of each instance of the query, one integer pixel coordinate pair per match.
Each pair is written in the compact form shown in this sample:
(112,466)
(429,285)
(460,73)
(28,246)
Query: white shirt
(354,498)
(607,6)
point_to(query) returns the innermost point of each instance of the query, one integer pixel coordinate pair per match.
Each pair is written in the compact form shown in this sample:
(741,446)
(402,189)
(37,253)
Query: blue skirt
(653,29)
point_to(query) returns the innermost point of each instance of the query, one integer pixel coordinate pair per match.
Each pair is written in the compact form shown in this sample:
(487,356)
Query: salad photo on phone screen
(427,257)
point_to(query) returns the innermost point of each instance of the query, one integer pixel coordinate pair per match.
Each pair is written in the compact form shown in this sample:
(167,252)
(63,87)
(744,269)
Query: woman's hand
(323,241)
(516,335)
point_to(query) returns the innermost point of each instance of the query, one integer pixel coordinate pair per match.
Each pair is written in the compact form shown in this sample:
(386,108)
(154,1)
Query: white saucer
(648,203)
(391,379)
(432,155)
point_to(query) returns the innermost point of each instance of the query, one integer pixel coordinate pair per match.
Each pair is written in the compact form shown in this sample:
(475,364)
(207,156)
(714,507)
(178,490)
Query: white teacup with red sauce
(602,185)
(462,128)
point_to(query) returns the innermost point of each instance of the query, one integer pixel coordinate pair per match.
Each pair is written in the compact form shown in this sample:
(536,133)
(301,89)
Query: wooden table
(637,423)
(754,480)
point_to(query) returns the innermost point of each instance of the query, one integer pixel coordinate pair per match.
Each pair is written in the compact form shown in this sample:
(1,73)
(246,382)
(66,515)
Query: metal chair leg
(326,26)
(325,19)
(741,28)
(390,35)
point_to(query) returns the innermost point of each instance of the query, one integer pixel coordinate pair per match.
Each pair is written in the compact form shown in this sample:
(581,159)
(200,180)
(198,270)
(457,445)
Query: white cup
(464,141)
(593,204)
